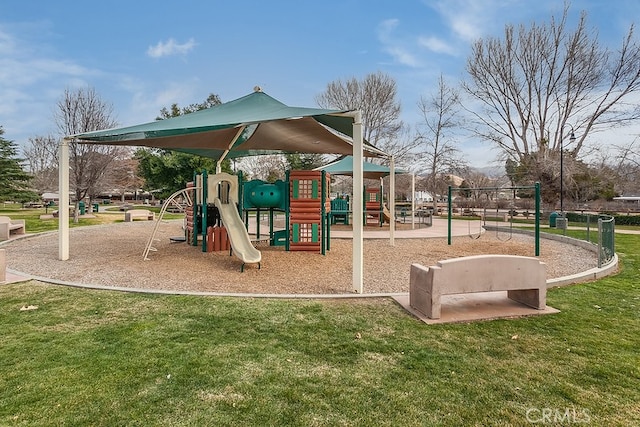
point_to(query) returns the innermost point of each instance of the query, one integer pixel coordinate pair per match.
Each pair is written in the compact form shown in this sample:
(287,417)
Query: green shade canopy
(252,125)
(370,170)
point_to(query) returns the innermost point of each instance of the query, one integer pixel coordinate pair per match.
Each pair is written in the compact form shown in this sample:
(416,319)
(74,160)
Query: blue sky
(141,56)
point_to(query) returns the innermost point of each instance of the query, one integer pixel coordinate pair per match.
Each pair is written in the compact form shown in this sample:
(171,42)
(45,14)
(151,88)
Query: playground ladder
(171,200)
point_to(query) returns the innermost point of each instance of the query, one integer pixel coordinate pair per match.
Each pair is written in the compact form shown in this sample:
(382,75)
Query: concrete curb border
(589,275)
(585,276)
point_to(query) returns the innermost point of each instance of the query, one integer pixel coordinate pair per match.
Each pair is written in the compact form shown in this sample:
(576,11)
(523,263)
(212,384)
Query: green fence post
(449,212)
(537,229)
(287,210)
(205,190)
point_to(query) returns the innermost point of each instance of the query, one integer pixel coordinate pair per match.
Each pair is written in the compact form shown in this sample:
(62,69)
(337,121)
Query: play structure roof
(252,125)
(370,170)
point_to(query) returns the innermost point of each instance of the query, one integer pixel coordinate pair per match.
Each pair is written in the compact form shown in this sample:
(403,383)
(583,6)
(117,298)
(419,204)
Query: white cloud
(437,45)
(468,20)
(402,56)
(386,27)
(398,49)
(7,43)
(171,47)
(32,78)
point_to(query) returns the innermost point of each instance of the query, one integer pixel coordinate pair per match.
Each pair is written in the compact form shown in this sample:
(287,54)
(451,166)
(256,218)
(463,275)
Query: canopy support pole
(413,201)
(233,141)
(63,200)
(392,202)
(358,183)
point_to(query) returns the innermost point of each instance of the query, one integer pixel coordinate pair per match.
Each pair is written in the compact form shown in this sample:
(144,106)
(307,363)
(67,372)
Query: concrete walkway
(437,229)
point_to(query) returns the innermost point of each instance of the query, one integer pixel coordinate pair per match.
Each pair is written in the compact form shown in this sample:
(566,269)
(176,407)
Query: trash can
(96,207)
(561,223)
(82,208)
(553,218)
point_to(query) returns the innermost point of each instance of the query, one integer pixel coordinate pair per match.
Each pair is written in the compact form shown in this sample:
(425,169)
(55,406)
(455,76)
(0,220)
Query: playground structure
(258,196)
(374,207)
(308,219)
(303,197)
(216,205)
(223,191)
(374,211)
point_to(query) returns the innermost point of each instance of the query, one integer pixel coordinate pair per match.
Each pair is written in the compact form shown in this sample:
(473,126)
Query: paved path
(437,229)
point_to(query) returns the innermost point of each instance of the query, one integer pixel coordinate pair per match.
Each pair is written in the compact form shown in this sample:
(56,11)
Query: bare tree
(437,150)
(626,165)
(482,185)
(42,162)
(82,110)
(267,168)
(376,97)
(541,83)
(121,177)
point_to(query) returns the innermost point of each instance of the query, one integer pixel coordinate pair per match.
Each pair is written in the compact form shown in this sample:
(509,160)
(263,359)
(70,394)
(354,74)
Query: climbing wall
(305,206)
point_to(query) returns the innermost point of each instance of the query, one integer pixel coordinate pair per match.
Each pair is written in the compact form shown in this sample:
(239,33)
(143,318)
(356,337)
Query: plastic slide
(238,236)
(386,214)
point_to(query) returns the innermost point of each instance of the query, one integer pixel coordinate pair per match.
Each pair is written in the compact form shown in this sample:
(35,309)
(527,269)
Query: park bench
(8,225)
(145,214)
(524,279)
(339,211)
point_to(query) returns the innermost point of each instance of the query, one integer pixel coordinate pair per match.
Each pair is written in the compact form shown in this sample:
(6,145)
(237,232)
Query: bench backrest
(480,273)
(135,212)
(339,205)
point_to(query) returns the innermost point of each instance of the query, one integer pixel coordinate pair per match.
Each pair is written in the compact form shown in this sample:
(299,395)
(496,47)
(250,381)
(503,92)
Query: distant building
(48,197)
(423,197)
(628,199)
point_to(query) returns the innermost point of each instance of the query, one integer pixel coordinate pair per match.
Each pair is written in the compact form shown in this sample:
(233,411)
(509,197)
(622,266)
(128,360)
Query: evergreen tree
(298,161)
(169,171)
(14,181)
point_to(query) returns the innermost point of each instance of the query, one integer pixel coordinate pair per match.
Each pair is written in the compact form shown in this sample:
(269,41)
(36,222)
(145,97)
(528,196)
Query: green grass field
(86,357)
(36,225)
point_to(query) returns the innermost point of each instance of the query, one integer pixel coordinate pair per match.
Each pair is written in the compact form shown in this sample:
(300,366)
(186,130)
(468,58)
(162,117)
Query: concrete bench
(494,217)
(524,279)
(145,214)
(8,226)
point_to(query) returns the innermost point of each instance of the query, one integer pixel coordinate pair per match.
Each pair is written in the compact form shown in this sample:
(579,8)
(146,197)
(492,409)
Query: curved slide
(238,236)
(386,215)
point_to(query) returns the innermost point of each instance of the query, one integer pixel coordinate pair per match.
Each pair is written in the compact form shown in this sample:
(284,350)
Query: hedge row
(627,219)
(593,219)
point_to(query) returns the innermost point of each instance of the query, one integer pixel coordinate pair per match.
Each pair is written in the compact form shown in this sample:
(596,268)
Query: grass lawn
(85,357)
(36,225)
